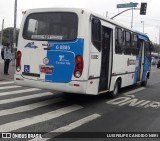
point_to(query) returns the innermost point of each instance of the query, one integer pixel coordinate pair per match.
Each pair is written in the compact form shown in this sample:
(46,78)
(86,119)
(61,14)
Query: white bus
(76,51)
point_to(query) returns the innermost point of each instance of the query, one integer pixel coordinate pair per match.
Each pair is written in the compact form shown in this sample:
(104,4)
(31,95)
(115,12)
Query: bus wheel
(144,83)
(115,91)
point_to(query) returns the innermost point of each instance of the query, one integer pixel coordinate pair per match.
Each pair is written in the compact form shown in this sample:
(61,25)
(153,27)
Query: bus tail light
(18,61)
(78,66)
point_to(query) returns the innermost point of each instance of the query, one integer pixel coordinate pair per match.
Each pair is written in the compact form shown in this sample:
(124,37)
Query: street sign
(126,5)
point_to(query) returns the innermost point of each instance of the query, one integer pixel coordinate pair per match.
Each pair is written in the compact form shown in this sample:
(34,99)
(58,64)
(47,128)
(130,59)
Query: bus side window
(96,33)
(135,49)
(127,42)
(118,41)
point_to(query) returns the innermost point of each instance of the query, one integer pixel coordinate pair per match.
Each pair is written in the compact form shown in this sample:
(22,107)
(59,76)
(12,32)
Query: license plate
(46,69)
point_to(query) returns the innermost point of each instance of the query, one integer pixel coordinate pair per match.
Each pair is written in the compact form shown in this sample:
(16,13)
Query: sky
(151,20)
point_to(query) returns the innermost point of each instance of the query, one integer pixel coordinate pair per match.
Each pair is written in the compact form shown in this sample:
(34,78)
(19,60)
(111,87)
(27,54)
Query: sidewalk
(11,72)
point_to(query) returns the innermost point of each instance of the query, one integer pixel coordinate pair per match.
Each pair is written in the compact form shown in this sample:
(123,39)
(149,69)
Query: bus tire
(115,91)
(144,83)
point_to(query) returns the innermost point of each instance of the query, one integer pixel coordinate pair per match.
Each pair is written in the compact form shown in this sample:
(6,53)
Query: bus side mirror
(96,33)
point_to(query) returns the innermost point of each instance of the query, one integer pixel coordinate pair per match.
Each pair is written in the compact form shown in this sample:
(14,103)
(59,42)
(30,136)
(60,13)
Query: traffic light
(143,8)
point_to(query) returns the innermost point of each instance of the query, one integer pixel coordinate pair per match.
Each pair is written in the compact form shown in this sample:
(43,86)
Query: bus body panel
(71,87)
(94,64)
(131,69)
(30,57)
(58,55)
(124,67)
(62,56)
(147,68)
(58,59)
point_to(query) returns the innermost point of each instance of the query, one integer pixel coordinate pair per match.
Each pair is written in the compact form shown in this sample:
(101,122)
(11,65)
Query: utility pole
(2,31)
(159,44)
(15,20)
(14,33)
(143,25)
(132,18)
(127,5)
(106,14)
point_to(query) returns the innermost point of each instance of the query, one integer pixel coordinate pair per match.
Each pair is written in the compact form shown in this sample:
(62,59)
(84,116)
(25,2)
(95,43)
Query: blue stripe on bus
(137,68)
(143,37)
(147,66)
(62,57)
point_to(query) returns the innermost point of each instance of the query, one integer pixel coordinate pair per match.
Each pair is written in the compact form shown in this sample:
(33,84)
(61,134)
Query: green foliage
(154,63)
(156,48)
(5,41)
(8,35)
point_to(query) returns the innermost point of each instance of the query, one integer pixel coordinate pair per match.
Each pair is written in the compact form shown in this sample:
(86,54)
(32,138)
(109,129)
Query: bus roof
(140,34)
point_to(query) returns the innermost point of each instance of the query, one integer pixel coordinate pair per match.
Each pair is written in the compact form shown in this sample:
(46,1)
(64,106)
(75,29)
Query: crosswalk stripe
(29,107)
(18,91)
(9,87)
(25,97)
(69,127)
(10,82)
(11,126)
(76,124)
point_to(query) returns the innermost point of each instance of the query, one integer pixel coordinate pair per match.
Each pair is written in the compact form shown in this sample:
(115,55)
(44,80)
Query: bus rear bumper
(71,87)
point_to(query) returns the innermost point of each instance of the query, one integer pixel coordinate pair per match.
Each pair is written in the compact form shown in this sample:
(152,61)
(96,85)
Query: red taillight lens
(78,66)
(18,61)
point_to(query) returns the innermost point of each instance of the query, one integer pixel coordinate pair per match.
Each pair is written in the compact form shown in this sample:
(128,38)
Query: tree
(156,48)
(8,36)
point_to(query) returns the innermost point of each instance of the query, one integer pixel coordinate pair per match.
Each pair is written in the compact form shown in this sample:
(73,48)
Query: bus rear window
(51,26)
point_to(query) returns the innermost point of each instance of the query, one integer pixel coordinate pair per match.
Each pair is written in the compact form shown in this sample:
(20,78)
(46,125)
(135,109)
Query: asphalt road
(136,109)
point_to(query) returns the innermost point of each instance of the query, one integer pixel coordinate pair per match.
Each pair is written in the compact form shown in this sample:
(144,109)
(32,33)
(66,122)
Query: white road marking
(25,97)
(69,127)
(9,87)
(11,126)
(10,82)
(18,91)
(133,91)
(145,103)
(29,107)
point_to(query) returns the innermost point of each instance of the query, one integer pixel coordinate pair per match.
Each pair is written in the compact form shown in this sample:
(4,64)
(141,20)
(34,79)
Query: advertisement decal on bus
(62,56)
